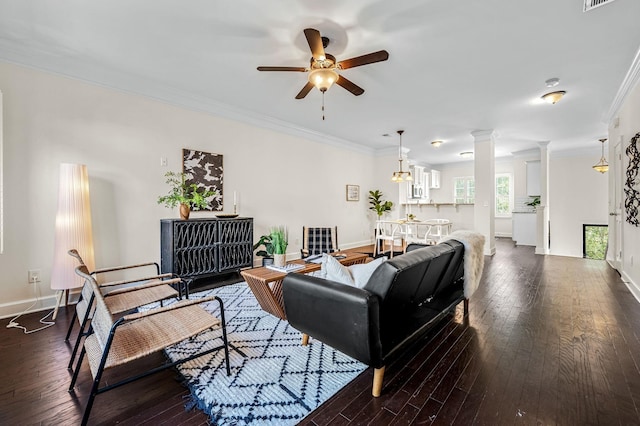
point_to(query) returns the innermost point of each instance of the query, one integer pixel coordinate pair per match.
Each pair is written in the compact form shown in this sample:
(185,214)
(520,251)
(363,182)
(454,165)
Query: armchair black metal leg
(73,320)
(75,373)
(224,335)
(81,334)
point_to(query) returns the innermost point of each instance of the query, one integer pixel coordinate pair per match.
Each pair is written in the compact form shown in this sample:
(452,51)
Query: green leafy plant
(265,240)
(378,205)
(182,193)
(535,201)
(279,239)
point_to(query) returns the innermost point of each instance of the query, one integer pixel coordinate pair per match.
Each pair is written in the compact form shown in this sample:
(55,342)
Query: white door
(615,211)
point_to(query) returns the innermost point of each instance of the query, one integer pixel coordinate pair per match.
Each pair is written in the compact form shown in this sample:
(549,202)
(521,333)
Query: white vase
(279,259)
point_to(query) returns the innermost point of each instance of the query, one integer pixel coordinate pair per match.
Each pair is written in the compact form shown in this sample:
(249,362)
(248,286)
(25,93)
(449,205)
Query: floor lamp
(73,231)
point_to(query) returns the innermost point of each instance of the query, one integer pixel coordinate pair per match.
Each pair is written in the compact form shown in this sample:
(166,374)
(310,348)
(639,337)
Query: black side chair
(319,240)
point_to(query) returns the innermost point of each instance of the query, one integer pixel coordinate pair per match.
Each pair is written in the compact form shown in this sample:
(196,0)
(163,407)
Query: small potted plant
(279,241)
(187,196)
(267,252)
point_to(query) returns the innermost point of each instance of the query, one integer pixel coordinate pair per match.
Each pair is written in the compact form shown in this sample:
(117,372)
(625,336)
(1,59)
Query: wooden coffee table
(266,284)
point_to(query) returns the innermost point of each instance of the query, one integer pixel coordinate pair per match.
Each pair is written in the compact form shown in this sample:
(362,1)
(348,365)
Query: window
(464,190)
(504,195)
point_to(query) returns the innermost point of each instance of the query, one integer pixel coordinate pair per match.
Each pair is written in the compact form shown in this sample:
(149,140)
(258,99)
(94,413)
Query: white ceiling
(454,65)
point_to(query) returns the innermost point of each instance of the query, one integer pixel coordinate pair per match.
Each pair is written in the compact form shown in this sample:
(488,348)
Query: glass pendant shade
(400,175)
(602,166)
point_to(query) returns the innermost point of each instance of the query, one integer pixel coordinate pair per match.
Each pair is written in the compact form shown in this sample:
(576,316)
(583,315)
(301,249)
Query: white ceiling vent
(592,4)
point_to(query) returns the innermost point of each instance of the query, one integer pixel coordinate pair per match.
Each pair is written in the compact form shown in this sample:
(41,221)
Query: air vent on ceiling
(592,4)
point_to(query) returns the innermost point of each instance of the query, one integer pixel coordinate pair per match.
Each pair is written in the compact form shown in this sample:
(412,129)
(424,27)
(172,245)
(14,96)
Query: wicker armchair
(113,342)
(147,289)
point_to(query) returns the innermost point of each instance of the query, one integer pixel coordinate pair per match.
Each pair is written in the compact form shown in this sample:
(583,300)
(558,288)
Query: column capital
(483,135)
(543,144)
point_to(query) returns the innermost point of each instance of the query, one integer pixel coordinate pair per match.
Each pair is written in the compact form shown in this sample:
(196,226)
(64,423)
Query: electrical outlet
(34,276)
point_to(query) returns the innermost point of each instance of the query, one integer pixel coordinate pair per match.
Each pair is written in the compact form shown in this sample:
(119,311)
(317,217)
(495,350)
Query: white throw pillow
(335,271)
(363,271)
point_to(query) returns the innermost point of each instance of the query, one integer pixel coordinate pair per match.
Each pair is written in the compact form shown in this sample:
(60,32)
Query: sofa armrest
(341,316)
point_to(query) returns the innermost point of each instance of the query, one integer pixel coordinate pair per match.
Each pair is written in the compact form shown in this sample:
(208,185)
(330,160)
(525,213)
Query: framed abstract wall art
(205,170)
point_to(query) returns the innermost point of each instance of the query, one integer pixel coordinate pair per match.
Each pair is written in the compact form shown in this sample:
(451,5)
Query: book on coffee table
(289,267)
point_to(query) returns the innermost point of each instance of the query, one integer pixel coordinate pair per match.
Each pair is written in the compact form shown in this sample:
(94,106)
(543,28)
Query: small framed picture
(353,192)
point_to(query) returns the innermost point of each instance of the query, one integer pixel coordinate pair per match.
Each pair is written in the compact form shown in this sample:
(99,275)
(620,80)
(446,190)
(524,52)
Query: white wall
(279,178)
(577,195)
(628,125)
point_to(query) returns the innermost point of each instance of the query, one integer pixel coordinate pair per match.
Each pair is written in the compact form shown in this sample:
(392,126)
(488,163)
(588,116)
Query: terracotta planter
(279,259)
(184,211)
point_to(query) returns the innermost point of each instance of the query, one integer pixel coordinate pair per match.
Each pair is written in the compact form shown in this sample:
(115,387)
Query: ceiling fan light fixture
(436,143)
(553,97)
(323,78)
(602,166)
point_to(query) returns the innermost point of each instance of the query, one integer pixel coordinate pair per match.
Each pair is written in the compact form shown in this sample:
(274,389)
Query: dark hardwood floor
(549,340)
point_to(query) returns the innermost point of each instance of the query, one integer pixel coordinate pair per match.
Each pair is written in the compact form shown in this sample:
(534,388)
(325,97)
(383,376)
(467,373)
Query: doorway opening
(594,241)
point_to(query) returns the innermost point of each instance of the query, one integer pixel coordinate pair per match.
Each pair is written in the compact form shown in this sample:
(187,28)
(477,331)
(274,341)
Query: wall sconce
(602,165)
(72,231)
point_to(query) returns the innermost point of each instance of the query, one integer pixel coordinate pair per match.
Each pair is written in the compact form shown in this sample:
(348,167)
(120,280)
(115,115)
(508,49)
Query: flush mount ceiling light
(602,165)
(466,154)
(553,97)
(552,82)
(400,175)
(436,143)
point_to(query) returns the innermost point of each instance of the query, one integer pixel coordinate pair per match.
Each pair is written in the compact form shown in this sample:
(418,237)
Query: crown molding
(628,83)
(132,85)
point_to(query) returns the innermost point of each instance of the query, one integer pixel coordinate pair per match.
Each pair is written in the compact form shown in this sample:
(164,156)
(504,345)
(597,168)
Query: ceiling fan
(323,68)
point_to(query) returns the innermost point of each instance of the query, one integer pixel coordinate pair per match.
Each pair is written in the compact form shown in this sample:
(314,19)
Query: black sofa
(402,299)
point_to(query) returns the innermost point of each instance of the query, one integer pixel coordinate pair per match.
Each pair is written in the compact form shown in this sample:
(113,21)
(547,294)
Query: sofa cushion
(333,270)
(362,272)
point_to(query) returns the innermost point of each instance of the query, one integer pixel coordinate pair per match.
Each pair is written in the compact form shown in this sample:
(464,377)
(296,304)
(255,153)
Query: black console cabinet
(201,248)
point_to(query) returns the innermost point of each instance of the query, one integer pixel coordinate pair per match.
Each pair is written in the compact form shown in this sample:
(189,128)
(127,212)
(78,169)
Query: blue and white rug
(278,382)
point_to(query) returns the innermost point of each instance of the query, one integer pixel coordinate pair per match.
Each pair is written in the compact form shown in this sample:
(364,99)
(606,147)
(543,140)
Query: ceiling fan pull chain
(323,105)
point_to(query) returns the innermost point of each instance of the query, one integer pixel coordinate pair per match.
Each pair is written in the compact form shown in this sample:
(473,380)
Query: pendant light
(602,165)
(400,175)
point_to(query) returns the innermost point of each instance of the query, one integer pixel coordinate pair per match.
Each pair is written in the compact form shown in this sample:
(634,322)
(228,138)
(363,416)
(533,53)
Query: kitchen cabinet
(523,231)
(533,178)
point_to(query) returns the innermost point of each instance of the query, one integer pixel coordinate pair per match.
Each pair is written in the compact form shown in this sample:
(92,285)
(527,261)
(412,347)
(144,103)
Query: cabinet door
(533,178)
(236,244)
(435,179)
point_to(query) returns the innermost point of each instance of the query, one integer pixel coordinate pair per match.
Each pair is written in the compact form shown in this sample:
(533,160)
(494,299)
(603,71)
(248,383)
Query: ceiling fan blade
(379,56)
(305,90)
(299,69)
(315,43)
(350,86)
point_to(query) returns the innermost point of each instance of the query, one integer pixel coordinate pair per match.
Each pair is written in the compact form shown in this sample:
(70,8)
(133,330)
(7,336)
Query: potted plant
(267,252)
(378,204)
(188,196)
(279,241)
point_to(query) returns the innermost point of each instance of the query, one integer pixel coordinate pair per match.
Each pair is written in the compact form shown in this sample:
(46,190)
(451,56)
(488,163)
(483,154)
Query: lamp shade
(72,228)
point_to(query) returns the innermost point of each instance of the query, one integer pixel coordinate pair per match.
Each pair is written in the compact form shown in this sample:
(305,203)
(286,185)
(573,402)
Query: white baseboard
(43,303)
(503,235)
(633,287)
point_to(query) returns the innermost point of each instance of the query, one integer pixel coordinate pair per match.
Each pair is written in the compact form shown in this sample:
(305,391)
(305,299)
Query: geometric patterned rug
(278,382)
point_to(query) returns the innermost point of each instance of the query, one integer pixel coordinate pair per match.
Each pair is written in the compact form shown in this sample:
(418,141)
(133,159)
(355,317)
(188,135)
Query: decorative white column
(485,187)
(542,211)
